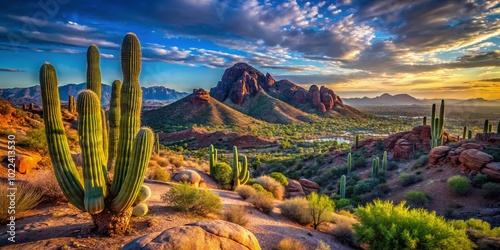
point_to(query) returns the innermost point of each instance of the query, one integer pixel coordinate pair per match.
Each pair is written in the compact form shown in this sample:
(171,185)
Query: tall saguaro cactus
(109,205)
(71,104)
(342,186)
(375,166)
(213,159)
(437,126)
(240,171)
(384,162)
(465,133)
(349,164)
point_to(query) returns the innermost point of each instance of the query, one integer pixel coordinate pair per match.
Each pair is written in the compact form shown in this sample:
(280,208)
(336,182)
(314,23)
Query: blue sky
(446,48)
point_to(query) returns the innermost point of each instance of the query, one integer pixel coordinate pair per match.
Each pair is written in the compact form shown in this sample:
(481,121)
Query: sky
(428,49)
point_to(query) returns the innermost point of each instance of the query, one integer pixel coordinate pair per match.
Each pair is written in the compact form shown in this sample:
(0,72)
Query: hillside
(19,96)
(197,108)
(384,100)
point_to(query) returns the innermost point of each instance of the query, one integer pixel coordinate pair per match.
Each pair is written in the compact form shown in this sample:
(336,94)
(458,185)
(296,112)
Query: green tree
(321,208)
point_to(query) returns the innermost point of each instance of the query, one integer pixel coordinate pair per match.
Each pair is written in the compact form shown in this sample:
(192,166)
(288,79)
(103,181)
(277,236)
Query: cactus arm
(105,138)
(64,167)
(91,141)
(130,105)
(93,71)
(142,149)
(236,168)
(441,124)
(114,123)
(244,173)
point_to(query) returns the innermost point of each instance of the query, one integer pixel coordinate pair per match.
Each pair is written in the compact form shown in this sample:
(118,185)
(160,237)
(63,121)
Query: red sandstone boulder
(402,149)
(294,189)
(437,154)
(316,99)
(199,96)
(474,159)
(492,169)
(321,108)
(300,96)
(327,100)
(308,185)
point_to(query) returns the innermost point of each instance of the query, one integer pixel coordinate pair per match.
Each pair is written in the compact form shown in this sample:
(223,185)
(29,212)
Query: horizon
(427,49)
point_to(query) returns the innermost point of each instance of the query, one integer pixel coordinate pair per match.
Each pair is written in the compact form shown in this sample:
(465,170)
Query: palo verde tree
(109,203)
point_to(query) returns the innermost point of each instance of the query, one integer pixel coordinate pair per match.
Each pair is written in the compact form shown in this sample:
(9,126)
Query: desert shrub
(479,179)
(236,214)
(185,198)
(297,209)
(480,226)
(261,189)
(343,229)
(35,140)
(407,179)
(223,173)
(416,199)
(392,165)
(322,246)
(177,161)
(365,186)
(26,198)
(46,182)
(272,186)
(281,178)
(358,162)
(162,162)
(321,208)
(422,161)
(245,191)
(341,203)
(387,226)
(159,174)
(490,190)
(460,185)
(262,201)
(290,244)
(345,213)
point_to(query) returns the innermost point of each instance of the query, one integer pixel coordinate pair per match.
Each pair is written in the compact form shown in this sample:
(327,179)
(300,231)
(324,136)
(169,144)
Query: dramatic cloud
(11,70)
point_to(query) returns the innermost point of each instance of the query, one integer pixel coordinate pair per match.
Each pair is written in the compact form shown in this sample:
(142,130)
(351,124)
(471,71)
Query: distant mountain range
(19,96)
(405,99)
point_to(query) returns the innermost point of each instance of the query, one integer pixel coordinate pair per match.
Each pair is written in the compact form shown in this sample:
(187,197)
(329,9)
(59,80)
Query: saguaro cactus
(486,126)
(437,126)
(470,134)
(157,143)
(213,159)
(240,171)
(110,207)
(465,133)
(71,104)
(94,71)
(425,121)
(349,164)
(384,162)
(342,186)
(114,123)
(375,166)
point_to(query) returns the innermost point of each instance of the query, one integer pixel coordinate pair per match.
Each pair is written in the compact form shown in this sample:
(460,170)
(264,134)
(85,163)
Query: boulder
(321,108)
(327,100)
(201,235)
(305,183)
(474,159)
(300,96)
(490,138)
(269,80)
(311,91)
(437,154)
(199,96)
(25,163)
(316,99)
(402,149)
(492,170)
(294,189)
(471,145)
(188,176)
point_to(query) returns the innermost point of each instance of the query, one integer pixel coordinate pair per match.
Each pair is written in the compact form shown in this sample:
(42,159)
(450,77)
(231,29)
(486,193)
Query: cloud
(11,70)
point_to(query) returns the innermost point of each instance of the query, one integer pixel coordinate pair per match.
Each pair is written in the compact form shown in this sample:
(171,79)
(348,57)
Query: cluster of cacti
(384,162)
(240,170)
(72,104)
(141,208)
(375,166)
(349,164)
(488,127)
(437,126)
(109,204)
(425,120)
(213,159)
(342,186)
(357,141)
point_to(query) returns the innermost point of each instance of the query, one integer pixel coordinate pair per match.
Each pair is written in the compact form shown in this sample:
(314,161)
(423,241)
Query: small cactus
(213,159)
(240,170)
(486,126)
(384,162)
(375,166)
(464,136)
(425,120)
(349,164)
(342,186)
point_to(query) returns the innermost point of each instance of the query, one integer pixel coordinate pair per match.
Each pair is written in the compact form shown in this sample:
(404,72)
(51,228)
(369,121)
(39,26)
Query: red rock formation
(438,154)
(474,159)
(492,169)
(327,100)
(300,96)
(316,99)
(308,185)
(294,189)
(321,108)
(199,96)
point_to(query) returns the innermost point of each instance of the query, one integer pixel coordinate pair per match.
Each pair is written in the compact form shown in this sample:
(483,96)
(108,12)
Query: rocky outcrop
(293,189)
(25,163)
(489,138)
(323,95)
(321,108)
(199,96)
(201,235)
(474,159)
(308,186)
(188,176)
(492,169)
(438,154)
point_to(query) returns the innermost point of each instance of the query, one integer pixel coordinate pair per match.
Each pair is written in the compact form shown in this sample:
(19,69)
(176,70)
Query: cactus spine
(425,120)
(384,162)
(110,208)
(375,166)
(349,164)
(465,133)
(114,123)
(342,186)
(437,127)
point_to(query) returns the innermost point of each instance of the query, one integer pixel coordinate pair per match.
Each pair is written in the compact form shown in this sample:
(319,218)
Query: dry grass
(46,182)
(297,209)
(262,202)
(246,191)
(159,174)
(26,198)
(290,244)
(236,214)
(343,229)
(272,186)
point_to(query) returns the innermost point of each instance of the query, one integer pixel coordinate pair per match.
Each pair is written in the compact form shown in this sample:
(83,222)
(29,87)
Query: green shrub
(416,199)
(280,178)
(186,198)
(322,246)
(387,226)
(272,186)
(223,173)
(260,189)
(491,190)
(26,198)
(262,201)
(290,244)
(422,161)
(159,174)
(297,209)
(341,203)
(35,140)
(460,185)
(365,186)
(321,208)
(236,214)
(407,180)
(392,165)
(480,226)
(479,180)
(246,191)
